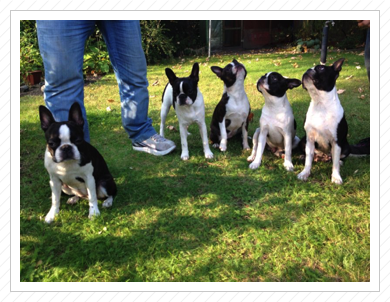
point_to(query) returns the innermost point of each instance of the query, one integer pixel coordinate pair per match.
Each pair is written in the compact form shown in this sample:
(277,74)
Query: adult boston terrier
(277,123)
(74,166)
(187,100)
(231,115)
(325,125)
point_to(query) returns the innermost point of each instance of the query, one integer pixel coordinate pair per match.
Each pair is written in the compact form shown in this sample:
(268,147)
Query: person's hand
(363,23)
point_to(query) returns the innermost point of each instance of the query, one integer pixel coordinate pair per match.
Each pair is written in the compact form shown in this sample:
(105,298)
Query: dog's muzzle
(307,76)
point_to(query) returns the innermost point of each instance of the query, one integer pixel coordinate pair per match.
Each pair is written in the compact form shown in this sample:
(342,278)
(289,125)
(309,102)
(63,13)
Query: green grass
(202,220)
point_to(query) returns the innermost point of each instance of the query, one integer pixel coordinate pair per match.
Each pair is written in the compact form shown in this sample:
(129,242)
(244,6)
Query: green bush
(96,58)
(155,43)
(30,58)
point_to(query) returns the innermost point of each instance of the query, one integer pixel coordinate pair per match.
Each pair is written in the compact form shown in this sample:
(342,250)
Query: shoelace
(158,138)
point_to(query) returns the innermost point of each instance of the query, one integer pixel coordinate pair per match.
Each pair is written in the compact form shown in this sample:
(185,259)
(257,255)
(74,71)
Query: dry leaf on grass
(340,91)
(350,77)
(171,128)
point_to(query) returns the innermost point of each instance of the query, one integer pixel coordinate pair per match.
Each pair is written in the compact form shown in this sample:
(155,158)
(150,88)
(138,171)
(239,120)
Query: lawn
(203,220)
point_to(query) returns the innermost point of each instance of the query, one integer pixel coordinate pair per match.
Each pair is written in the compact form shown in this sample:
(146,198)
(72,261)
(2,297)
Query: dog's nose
(66,149)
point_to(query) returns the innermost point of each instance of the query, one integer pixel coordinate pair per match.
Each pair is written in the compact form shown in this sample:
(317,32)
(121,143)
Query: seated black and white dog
(231,115)
(277,123)
(325,124)
(187,100)
(74,166)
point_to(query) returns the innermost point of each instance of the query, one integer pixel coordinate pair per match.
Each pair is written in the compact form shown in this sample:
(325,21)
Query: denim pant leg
(367,53)
(61,44)
(123,39)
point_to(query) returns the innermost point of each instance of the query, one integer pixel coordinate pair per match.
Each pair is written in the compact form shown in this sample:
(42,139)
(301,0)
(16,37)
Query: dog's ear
(292,83)
(195,72)
(46,118)
(75,114)
(171,75)
(337,65)
(217,70)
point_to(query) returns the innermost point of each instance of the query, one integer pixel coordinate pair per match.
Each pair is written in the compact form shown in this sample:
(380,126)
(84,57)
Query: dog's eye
(53,143)
(78,141)
(321,68)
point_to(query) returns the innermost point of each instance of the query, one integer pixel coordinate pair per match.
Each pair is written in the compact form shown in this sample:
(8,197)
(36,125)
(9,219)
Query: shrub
(155,43)
(96,58)
(30,58)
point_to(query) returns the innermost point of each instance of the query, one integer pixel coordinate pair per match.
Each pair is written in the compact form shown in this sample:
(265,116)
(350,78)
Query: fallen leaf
(362,97)
(110,101)
(156,83)
(360,89)
(340,91)
(250,116)
(171,128)
(350,77)
(358,67)
(108,108)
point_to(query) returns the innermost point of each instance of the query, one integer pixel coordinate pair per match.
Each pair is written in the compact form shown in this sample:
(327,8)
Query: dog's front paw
(185,157)
(289,166)
(336,178)
(303,175)
(209,155)
(51,215)
(108,202)
(246,147)
(251,157)
(254,165)
(223,148)
(93,211)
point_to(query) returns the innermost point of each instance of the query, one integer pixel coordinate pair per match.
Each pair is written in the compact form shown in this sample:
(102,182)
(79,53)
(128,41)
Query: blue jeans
(367,53)
(62,45)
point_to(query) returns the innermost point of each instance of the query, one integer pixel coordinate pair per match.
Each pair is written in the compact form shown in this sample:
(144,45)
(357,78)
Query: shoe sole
(153,151)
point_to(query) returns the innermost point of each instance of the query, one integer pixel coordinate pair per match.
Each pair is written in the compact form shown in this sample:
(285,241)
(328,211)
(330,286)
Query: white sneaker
(156,145)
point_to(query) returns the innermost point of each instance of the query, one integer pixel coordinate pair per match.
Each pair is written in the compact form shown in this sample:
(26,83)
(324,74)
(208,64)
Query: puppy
(277,123)
(326,127)
(74,166)
(231,115)
(187,100)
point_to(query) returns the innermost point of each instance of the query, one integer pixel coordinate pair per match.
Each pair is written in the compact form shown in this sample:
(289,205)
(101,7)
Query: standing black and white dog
(187,100)
(74,166)
(277,123)
(325,125)
(231,115)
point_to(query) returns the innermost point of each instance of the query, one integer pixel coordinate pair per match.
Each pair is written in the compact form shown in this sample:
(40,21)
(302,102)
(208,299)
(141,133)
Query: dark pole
(324,45)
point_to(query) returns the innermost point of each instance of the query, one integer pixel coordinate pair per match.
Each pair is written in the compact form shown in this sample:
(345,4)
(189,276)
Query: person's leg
(367,54)
(61,44)
(362,148)
(123,39)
